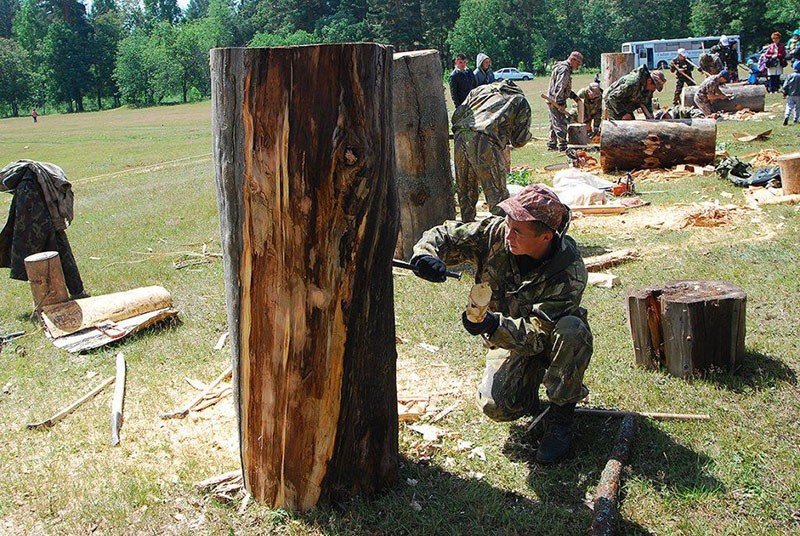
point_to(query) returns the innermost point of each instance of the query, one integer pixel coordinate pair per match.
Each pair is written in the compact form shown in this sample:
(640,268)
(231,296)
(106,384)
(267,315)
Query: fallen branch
(181,413)
(605,496)
(119,401)
(599,263)
(66,411)
(649,415)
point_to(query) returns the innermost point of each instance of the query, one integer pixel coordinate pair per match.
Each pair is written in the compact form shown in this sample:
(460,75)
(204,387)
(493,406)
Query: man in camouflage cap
(536,329)
(710,91)
(632,92)
(592,97)
(493,116)
(559,90)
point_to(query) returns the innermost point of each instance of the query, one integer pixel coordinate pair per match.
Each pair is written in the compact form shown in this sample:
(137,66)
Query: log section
(47,279)
(628,145)
(613,66)
(688,326)
(751,97)
(790,173)
(304,157)
(577,135)
(422,149)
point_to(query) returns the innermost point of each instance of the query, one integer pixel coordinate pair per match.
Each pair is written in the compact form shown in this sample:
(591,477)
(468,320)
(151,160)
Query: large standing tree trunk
(422,149)
(751,97)
(688,326)
(615,65)
(302,140)
(657,144)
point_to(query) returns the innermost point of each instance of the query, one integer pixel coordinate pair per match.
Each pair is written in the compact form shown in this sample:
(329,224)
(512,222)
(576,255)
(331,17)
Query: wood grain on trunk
(752,98)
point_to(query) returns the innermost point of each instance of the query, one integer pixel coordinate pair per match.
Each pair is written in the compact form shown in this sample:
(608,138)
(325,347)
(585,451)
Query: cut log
(615,65)
(688,326)
(75,315)
(47,279)
(304,156)
(577,135)
(479,297)
(422,149)
(790,173)
(605,496)
(610,259)
(628,145)
(751,97)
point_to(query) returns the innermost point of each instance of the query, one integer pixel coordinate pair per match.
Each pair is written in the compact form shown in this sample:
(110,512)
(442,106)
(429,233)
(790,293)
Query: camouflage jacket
(528,304)
(499,110)
(683,65)
(728,55)
(710,88)
(627,94)
(560,87)
(592,108)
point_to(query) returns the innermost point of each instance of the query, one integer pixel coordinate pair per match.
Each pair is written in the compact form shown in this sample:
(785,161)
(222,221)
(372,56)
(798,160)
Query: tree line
(61,55)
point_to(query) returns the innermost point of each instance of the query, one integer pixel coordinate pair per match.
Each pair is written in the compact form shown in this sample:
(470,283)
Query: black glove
(431,269)
(488,325)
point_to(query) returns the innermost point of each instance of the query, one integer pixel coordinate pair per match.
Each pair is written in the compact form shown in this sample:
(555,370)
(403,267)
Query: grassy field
(145,196)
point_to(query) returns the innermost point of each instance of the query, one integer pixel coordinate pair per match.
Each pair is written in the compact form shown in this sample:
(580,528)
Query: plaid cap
(536,202)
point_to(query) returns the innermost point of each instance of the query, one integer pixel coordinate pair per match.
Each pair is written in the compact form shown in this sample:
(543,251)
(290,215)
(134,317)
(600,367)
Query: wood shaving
(764,158)
(712,215)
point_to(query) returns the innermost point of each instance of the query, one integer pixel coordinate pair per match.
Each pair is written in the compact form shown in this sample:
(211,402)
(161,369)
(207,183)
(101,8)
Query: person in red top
(775,56)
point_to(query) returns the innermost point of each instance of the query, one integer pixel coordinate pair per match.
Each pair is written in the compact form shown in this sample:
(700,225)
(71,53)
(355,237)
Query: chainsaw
(624,186)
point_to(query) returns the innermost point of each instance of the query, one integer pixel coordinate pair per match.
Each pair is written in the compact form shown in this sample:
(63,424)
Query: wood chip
(429,433)
(221,342)
(428,347)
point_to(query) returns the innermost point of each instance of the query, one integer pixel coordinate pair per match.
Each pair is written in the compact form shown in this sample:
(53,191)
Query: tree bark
(47,279)
(628,145)
(304,153)
(577,135)
(422,149)
(688,326)
(790,173)
(751,97)
(615,65)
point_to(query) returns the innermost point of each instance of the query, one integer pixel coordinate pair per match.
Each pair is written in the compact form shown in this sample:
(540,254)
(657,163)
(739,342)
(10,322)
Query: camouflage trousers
(702,102)
(479,160)
(510,385)
(681,81)
(558,130)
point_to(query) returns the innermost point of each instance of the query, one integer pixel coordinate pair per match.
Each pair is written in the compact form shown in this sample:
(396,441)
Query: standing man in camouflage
(682,67)
(462,80)
(493,116)
(558,92)
(632,92)
(728,55)
(710,91)
(536,328)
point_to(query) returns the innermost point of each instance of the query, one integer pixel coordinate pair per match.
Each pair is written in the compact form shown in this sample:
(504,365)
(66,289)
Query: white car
(510,73)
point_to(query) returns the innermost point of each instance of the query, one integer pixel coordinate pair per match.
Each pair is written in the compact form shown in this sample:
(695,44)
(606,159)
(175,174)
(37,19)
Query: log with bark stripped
(751,97)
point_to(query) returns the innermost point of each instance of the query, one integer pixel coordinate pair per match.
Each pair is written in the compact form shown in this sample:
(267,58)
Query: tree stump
(615,65)
(47,279)
(577,135)
(304,156)
(422,149)
(688,326)
(790,173)
(751,97)
(657,144)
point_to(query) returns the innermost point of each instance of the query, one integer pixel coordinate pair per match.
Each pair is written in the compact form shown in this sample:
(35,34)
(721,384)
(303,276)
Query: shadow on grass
(758,371)
(655,457)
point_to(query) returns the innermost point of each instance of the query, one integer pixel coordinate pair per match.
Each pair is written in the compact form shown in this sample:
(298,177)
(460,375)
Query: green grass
(145,194)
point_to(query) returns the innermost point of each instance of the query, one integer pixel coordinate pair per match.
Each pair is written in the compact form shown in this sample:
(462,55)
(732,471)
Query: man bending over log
(493,116)
(632,92)
(710,90)
(537,331)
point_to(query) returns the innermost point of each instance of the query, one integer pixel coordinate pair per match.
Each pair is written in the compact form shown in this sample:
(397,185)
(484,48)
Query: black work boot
(557,440)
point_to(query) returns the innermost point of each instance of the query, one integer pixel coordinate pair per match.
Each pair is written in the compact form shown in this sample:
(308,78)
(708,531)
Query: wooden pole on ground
(790,173)
(118,404)
(304,156)
(422,149)
(49,423)
(605,496)
(688,326)
(613,66)
(47,279)
(628,145)
(751,97)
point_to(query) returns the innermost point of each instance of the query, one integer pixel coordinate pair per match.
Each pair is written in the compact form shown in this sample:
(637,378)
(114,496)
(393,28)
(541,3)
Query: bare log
(118,405)
(304,153)
(577,135)
(790,173)
(47,279)
(422,150)
(605,496)
(688,326)
(752,97)
(610,259)
(628,145)
(615,65)
(48,423)
(74,315)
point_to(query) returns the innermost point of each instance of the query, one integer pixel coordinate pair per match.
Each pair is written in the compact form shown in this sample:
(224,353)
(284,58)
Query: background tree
(16,75)
(108,32)
(8,8)
(161,11)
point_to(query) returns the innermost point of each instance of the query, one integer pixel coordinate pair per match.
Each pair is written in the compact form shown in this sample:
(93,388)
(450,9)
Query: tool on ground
(8,337)
(580,158)
(408,266)
(625,186)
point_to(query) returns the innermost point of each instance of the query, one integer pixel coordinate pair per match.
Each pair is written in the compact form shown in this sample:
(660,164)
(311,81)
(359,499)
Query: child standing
(791,90)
